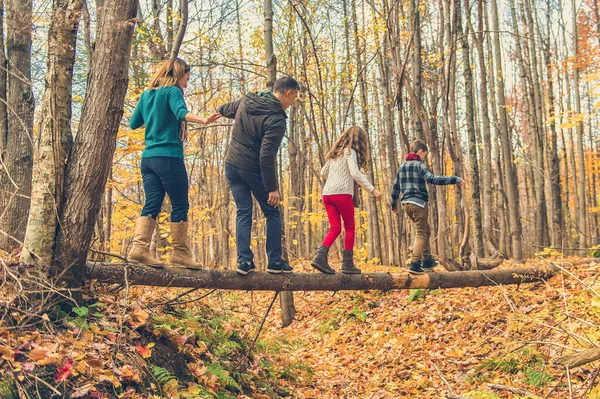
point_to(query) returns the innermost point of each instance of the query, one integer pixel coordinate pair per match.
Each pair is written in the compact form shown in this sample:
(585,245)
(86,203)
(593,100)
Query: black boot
(415,268)
(429,263)
(319,261)
(348,263)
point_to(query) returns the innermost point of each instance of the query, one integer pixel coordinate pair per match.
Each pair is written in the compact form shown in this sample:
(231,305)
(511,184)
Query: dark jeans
(165,174)
(243,184)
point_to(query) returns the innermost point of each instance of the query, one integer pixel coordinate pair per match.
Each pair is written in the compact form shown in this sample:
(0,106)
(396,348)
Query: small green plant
(224,377)
(332,324)
(595,251)
(162,375)
(415,294)
(358,314)
(536,376)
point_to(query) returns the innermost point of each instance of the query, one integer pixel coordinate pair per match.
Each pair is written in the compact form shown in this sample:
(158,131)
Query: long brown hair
(355,138)
(169,73)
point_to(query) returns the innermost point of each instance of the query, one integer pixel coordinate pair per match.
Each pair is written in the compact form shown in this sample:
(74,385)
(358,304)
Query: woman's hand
(376,193)
(212,118)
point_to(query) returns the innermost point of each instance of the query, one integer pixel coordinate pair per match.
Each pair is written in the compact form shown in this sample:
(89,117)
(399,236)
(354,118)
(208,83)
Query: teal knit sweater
(162,111)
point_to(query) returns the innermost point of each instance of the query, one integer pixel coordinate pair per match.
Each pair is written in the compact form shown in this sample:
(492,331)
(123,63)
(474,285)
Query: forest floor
(127,342)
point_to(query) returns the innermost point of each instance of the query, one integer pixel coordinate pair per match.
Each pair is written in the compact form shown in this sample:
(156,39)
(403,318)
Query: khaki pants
(419,217)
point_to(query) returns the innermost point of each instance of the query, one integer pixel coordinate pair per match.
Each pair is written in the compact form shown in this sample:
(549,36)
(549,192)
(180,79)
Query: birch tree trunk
(512,189)
(55,135)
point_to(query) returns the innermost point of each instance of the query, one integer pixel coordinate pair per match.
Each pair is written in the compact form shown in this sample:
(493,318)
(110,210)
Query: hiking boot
(429,263)
(279,267)
(348,263)
(244,268)
(415,268)
(181,255)
(319,261)
(140,251)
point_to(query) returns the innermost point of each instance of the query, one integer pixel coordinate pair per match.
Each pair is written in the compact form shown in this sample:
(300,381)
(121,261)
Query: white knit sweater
(341,173)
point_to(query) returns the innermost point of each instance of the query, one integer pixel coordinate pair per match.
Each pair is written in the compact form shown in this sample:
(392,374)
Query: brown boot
(181,255)
(140,252)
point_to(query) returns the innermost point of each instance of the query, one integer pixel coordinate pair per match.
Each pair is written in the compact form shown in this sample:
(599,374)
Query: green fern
(224,377)
(162,375)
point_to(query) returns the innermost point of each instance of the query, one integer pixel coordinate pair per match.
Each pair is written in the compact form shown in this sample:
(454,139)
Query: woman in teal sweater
(162,109)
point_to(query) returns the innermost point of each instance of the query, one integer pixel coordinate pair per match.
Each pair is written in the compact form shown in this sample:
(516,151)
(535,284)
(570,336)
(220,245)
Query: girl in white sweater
(344,161)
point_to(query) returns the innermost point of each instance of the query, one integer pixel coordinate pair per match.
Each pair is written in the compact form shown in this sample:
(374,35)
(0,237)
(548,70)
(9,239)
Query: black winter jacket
(257,132)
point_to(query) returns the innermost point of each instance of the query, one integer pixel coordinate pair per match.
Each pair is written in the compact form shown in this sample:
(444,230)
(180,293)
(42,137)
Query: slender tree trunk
(3,77)
(417,69)
(15,175)
(288,309)
(373,233)
(581,198)
(470,116)
(90,159)
(55,134)
(183,21)
(487,137)
(557,213)
(512,189)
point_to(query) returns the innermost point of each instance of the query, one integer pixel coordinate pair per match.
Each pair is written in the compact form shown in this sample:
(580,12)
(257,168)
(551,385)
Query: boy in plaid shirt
(411,179)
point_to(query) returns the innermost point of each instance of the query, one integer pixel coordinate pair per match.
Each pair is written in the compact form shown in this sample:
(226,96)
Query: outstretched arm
(438,180)
(357,174)
(230,109)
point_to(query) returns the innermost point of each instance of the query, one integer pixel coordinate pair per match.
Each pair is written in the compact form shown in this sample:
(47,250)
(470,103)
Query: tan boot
(140,252)
(181,255)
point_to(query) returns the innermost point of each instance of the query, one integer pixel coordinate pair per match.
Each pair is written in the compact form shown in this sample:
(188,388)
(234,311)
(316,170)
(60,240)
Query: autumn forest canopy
(108,107)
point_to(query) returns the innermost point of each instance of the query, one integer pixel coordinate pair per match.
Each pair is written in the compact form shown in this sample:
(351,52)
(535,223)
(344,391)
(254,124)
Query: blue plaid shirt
(411,180)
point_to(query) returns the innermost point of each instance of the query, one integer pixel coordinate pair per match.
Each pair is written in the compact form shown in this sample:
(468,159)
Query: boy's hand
(462,183)
(395,210)
(376,193)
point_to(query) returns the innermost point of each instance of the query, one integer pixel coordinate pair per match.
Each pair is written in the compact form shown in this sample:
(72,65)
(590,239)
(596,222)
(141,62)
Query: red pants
(336,206)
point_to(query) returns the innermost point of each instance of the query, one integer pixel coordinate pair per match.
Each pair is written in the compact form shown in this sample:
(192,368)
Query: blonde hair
(355,138)
(169,73)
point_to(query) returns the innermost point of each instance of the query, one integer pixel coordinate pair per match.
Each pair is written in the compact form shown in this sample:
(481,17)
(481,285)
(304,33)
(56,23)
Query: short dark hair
(417,145)
(284,84)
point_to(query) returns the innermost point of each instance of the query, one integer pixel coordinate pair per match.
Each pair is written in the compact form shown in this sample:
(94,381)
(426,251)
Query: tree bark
(578,359)
(183,21)
(557,212)
(581,198)
(15,174)
(259,281)
(288,310)
(512,189)
(470,116)
(373,234)
(91,157)
(55,135)
(270,52)
(3,77)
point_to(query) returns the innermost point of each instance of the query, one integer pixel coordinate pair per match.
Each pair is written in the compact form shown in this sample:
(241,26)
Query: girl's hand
(212,118)
(376,193)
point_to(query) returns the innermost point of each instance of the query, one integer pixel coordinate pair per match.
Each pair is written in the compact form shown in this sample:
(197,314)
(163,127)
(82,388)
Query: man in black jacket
(250,167)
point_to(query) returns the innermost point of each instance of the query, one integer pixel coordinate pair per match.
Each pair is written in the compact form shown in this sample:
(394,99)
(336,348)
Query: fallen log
(578,359)
(135,274)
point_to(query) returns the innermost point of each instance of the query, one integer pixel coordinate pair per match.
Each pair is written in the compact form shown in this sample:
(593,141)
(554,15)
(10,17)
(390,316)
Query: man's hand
(463,183)
(212,118)
(376,193)
(273,198)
